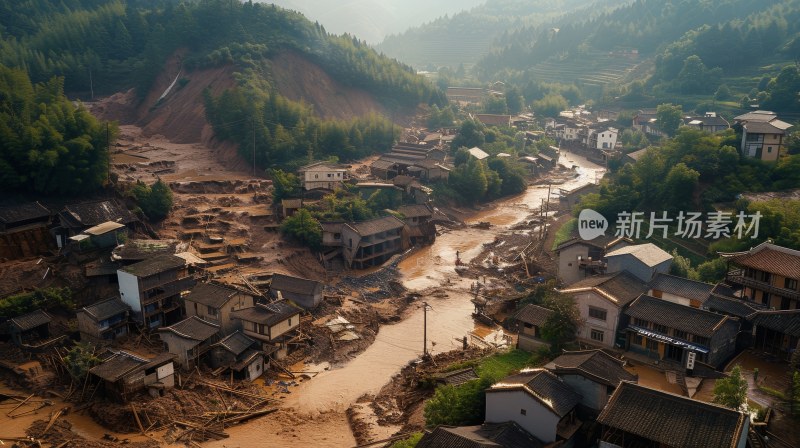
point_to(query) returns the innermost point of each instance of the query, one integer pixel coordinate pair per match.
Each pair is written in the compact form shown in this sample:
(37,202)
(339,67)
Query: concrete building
(373,242)
(240,354)
(214,303)
(270,324)
(641,260)
(579,259)
(189,339)
(322,175)
(301,291)
(103,321)
(153,288)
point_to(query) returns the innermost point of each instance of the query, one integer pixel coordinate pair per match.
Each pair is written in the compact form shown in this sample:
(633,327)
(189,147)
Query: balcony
(738,277)
(168,289)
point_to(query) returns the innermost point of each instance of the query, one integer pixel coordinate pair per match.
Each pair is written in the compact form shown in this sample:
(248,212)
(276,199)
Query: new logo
(591,224)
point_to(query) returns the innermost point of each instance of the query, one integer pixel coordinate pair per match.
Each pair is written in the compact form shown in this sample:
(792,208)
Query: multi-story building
(370,243)
(767,274)
(103,321)
(153,288)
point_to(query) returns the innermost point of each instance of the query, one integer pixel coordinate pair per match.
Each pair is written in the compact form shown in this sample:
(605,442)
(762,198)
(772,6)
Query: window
(637,339)
(290,321)
(330,175)
(316,176)
(597,335)
(523,412)
(790,283)
(769,148)
(765,298)
(700,340)
(786,303)
(212,311)
(640,322)
(660,328)
(597,313)
(337,236)
(764,276)
(680,334)
(652,344)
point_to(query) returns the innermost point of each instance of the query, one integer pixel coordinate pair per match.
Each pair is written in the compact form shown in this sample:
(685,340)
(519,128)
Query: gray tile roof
(542,385)
(269,314)
(296,285)
(488,435)
(192,328)
(596,365)
(236,343)
(761,127)
(680,317)
(682,287)
(415,211)
(88,214)
(105,308)
(670,419)
(155,265)
(787,321)
(23,212)
(31,320)
(211,294)
(731,305)
(621,287)
(533,314)
(376,225)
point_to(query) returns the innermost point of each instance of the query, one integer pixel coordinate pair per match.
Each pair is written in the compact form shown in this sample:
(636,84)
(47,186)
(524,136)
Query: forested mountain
(694,44)
(465,37)
(100,47)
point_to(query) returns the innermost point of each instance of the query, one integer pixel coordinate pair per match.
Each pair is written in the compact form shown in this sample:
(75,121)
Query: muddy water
(449,319)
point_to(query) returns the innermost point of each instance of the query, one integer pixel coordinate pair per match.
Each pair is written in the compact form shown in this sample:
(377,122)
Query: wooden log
(136,416)
(8,414)
(242,418)
(53,420)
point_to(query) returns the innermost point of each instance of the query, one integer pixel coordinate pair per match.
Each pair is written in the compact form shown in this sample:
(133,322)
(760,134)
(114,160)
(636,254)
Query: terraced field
(592,70)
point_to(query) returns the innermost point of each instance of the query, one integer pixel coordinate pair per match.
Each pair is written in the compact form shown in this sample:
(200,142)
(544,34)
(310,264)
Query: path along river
(333,391)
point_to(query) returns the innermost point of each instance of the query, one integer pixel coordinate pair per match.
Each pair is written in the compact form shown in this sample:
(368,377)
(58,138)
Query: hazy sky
(372,20)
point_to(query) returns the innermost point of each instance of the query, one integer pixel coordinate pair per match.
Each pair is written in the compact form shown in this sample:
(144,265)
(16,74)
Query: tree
(303,227)
(495,105)
(155,201)
(460,405)
(550,105)
(731,391)
(562,326)
(285,185)
(470,134)
(79,359)
(723,93)
(514,100)
(668,117)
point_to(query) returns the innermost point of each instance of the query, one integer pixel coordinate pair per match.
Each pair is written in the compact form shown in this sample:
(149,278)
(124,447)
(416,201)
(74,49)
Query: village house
(137,250)
(123,374)
(570,198)
(669,332)
(646,121)
(494,119)
(373,242)
(153,287)
(322,175)
(478,153)
(76,218)
(528,322)
(578,258)
(101,236)
(301,291)
(189,339)
(469,95)
(763,134)
(601,301)
(418,223)
(272,324)
(603,138)
(637,416)
(538,401)
(633,157)
(103,321)
(680,290)
(709,122)
(23,231)
(214,303)
(29,328)
(240,354)
(767,274)
(594,374)
(641,260)
(722,300)
(776,332)
(429,170)
(494,435)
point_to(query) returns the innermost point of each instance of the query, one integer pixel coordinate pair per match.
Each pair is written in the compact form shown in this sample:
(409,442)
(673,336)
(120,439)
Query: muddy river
(449,319)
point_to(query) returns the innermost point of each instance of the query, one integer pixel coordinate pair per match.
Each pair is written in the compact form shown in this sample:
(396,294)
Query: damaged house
(373,242)
(272,324)
(240,354)
(23,230)
(105,320)
(28,328)
(123,374)
(301,291)
(418,222)
(76,218)
(214,303)
(153,287)
(189,339)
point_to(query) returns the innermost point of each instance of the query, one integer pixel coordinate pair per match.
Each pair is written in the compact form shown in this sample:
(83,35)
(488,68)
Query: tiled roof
(673,315)
(415,211)
(457,377)
(786,321)
(671,420)
(23,212)
(103,228)
(236,343)
(136,250)
(382,164)
(488,435)
(621,288)
(192,328)
(332,227)
(648,253)
(757,115)
(151,266)
(211,294)
(533,314)
(682,287)
(31,320)
(269,314)
(594,364)
(771,258)
(761,127)
(88,214)
(636,155)
(376,225)
(106,308)
(296,285)
(731,305)
(117,366)
(542,385)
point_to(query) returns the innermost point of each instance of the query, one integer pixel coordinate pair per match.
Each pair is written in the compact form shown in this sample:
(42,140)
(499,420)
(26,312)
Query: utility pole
(108,154)
(254,146)
(424,330)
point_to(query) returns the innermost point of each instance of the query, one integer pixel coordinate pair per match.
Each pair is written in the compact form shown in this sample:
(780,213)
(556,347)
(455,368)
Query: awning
(667,339)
